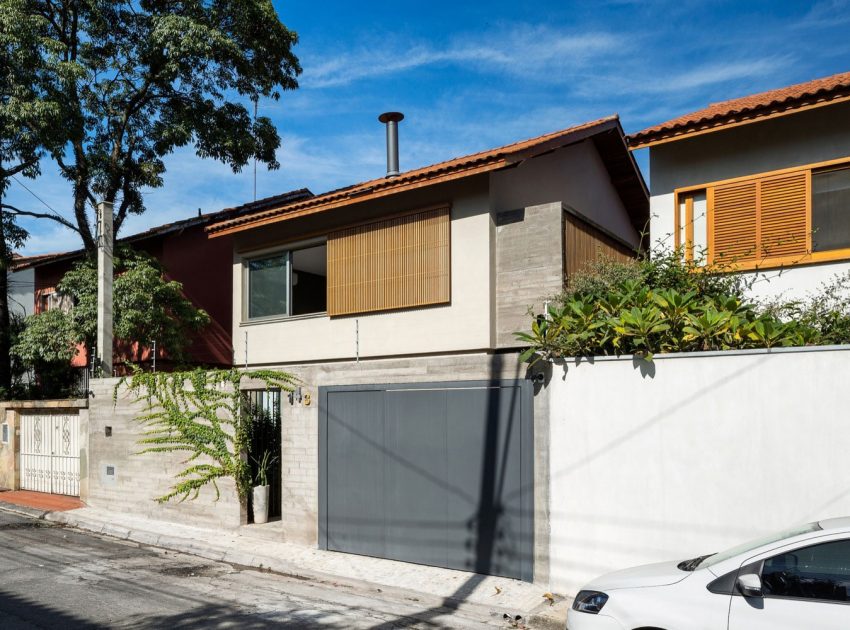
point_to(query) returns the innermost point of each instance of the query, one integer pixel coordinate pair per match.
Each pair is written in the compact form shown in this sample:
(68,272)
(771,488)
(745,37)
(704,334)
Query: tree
(141,79)
(147,306)
(46,346)
(29,121)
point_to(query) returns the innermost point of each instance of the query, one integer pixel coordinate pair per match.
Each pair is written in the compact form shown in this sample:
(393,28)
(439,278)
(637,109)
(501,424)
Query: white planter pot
(261,504)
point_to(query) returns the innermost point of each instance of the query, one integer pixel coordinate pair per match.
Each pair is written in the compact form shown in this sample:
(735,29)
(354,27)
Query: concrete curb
(550,617)
(227,554)
(21,510)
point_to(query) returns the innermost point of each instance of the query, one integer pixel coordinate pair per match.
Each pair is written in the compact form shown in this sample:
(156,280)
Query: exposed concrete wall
(139,479)
(301,422)
(529,267)
(463,324)
(575,176)
(22,291)
(692,454)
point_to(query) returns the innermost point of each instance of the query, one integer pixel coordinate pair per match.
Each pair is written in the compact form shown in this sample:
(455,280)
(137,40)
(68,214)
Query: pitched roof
(24,262)
(624,173)
(748,109)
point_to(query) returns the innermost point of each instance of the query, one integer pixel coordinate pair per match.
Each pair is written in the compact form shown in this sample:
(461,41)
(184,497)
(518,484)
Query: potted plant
(261,490)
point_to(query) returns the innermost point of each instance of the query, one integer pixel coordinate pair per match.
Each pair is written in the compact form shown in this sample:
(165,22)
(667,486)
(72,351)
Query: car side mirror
(749,585)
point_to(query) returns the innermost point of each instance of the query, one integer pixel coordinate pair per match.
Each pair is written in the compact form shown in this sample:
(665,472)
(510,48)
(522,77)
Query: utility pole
(104,287)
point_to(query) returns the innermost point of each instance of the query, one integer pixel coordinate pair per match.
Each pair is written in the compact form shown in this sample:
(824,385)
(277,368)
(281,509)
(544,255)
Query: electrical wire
(44,203)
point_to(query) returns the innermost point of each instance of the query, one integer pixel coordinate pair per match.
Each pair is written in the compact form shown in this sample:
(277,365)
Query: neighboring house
(188,256)
(21,288)
(761,183)
(416,433)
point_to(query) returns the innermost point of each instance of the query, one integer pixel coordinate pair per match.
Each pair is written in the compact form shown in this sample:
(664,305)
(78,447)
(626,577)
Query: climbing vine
(202,413)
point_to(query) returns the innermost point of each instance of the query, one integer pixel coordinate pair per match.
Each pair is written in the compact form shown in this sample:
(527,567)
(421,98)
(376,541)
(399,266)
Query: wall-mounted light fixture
(295,396)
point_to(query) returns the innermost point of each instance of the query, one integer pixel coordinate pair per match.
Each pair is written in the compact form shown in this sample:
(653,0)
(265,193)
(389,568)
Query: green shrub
(665,304)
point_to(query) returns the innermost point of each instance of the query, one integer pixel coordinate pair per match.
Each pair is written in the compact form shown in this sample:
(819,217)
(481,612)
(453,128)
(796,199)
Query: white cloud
(521,50)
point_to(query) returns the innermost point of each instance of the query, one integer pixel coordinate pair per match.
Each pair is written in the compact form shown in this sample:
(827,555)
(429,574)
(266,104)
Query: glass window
(831,210)
(288,283)
(310,280)
(758,542)
(817,572)
(268,286)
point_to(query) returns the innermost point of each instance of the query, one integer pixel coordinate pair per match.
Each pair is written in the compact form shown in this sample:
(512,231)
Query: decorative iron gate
(50,453)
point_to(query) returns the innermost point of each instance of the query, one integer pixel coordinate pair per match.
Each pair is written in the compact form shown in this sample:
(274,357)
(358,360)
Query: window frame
(808,258)
(815,600)
(271,252)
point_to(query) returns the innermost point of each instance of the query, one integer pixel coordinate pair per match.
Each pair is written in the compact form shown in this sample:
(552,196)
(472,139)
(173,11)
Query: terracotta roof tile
(482,161)
(748,108)
(24,262)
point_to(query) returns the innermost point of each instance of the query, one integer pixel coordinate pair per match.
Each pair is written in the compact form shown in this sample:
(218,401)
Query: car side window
(819,572)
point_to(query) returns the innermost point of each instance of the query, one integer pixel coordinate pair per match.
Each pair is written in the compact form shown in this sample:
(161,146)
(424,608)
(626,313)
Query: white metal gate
(50,453)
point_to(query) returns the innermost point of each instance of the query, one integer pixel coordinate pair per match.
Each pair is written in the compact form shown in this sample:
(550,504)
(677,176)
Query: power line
(46,205)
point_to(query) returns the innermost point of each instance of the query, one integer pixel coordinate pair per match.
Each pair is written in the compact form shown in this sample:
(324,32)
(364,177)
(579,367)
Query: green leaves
(147,306)
(204,414)
(133,82)
(648,307)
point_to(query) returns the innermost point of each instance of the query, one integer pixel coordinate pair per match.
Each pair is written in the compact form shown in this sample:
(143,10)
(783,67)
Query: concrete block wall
(139,479)
(300,457)
(529,267)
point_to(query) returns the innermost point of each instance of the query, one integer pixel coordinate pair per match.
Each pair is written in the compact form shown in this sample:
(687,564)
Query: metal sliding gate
(50,453)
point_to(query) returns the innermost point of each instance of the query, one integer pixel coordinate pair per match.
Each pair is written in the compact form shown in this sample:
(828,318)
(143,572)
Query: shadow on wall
(483,529)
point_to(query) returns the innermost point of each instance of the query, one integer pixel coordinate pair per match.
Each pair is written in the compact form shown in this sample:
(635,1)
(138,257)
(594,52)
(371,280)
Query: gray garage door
(436,473)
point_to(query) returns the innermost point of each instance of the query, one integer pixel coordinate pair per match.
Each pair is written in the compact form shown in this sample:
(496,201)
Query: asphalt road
(52,577)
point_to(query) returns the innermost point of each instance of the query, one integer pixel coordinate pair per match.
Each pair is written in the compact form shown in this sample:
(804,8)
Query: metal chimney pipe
(391,120)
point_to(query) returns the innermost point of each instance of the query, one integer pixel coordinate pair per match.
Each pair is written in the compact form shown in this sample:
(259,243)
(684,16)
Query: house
(179,247)
(416,433)
(759,183)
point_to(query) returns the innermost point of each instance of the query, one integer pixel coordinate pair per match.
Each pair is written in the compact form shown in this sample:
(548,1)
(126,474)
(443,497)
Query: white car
(798,579)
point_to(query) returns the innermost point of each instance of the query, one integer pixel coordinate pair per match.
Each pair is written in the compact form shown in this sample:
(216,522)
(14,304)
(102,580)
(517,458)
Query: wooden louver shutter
(784,215)
(734,222)
(761,219)
(400,262)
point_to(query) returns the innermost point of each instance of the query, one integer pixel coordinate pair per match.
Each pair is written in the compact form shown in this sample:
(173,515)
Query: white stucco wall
(795,140)
(692,455)
(574,175)
(464,324)
(22,291)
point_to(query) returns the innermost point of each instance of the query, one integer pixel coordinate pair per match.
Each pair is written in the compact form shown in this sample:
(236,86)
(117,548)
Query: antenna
(256,103)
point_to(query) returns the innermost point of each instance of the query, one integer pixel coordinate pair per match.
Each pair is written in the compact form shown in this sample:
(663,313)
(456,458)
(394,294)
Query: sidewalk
(474,594)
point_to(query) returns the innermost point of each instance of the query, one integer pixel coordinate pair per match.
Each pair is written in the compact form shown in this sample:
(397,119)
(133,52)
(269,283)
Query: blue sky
(474,75)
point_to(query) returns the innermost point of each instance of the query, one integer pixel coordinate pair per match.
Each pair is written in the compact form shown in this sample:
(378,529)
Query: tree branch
(40,215)
(9,172)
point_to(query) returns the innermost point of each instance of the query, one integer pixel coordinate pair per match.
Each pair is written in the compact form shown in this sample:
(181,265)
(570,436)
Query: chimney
(391,119)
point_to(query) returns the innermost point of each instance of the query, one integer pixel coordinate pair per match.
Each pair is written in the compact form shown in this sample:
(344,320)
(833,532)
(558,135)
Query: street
(53,577)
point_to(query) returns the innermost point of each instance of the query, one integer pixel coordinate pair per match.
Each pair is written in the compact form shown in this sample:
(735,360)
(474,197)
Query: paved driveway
(52,577)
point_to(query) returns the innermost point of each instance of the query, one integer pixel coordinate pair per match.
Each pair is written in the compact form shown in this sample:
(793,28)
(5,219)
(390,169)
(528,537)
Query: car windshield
(755,544)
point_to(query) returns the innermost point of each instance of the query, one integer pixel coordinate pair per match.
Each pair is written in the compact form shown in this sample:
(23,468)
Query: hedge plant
(665,304)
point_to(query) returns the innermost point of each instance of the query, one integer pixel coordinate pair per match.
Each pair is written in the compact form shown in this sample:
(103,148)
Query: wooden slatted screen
(784,213)
(583,244)
(735,222)
(400,262)
(760,219)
